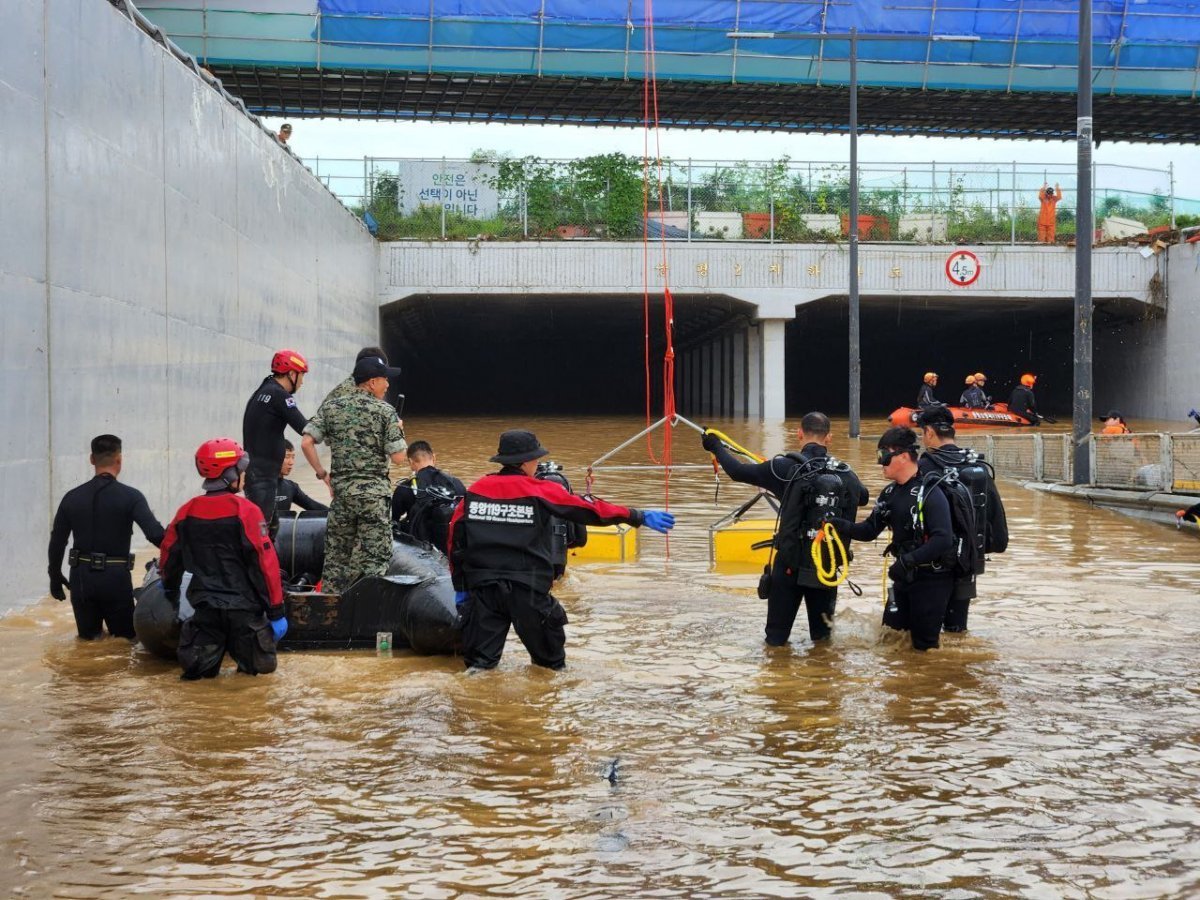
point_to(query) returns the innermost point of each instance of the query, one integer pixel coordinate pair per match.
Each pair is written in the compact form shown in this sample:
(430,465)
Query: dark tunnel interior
(572,354)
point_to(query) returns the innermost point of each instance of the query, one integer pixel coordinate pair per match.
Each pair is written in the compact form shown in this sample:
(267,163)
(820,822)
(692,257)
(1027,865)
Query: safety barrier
(1144,462)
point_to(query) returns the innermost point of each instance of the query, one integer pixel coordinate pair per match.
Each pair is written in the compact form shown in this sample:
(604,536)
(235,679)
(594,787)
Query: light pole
(854,312)
(1081,412)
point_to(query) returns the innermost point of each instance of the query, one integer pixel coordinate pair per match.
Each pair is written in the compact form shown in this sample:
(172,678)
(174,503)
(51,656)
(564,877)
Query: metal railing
(1142,462)
(772,201)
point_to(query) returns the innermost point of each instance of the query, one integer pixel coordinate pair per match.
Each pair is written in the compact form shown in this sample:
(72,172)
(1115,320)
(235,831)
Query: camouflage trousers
(358,539)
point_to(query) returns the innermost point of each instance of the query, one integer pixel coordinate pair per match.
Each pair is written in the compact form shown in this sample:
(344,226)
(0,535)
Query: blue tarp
(1141,46)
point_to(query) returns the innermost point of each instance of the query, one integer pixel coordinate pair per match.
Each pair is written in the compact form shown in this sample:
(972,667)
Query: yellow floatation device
(833,572)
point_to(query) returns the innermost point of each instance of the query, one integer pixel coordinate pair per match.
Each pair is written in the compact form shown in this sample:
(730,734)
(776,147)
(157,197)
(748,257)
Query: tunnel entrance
(904,337)
(565,354)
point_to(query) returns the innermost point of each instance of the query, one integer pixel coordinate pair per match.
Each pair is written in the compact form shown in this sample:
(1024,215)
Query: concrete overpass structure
(735,303)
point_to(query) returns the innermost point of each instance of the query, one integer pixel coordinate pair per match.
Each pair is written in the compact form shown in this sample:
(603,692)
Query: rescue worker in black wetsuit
(501,554)
(222,540)
(793,578)
(1022,402)
(423,504)
(922,542)
(288,492)
(974,396)
(941,453)
(271,409)
(925,395)
(99,516)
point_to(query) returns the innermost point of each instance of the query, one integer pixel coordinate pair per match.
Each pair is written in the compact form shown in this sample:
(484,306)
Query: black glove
(902,571)
(841,526)
(57,583)
(710,442)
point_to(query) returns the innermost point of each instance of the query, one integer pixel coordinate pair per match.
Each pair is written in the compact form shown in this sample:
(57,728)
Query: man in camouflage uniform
(363,433)
(343,389)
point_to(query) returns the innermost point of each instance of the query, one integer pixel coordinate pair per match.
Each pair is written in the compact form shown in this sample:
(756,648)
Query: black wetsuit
(789,588)
(99,515)
(925,397)
(918,602)
(424,515)
(288,492)
(269,411)
(996,540)
(974,398)
(1023,403)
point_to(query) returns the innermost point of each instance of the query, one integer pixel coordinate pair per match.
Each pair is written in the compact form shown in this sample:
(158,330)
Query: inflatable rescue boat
(414,601)
(997,416)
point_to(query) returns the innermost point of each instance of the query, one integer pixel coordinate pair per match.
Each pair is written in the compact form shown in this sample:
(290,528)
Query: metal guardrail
(776,201)
(1142,462)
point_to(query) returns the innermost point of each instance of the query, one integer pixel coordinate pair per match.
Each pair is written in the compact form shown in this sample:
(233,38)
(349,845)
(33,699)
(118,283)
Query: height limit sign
(962,267)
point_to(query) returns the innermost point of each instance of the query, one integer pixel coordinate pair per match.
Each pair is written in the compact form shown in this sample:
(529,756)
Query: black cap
(1112,414)
(939,418)
(373,367)
(517,447)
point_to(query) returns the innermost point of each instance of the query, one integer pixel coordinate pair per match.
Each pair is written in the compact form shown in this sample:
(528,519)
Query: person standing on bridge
(363,433)
(100,515)
(1047,222)
(269,411)
(502,554)
(790,478)
(1022,402)
(925,395)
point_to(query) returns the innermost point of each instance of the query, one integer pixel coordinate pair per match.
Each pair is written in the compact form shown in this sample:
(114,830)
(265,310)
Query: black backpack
(819,489)
(966,556)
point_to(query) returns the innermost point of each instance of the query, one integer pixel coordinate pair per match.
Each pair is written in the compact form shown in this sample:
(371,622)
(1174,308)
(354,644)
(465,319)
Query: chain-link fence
(1142,462)
(605,197)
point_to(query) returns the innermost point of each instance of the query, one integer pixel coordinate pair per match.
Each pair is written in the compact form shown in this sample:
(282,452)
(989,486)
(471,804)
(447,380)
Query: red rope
(651,119)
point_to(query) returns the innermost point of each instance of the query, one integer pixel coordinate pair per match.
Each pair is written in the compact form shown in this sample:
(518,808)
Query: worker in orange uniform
(1114,423)
(1049,197)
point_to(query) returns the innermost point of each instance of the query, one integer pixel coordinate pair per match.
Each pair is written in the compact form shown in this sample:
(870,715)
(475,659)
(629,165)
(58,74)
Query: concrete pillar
(773,368)
(706,380)
(739,374)
(754,391)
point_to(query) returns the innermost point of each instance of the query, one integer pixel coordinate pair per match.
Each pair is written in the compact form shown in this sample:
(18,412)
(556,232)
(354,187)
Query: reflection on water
(1052,751)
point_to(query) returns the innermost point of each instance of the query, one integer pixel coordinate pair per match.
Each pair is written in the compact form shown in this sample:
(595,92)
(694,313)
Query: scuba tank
(566,534)
(974,472)
(817,492)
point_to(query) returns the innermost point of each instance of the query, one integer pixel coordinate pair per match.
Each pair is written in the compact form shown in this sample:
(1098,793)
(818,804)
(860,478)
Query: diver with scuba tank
(991,524)
(922,541)
(812,487)
(422,505)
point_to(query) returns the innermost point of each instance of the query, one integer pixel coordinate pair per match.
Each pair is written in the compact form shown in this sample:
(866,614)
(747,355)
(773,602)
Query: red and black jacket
(222,540)
(503,529)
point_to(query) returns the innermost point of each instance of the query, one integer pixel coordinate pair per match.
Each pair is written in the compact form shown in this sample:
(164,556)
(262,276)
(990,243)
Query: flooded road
(1054,751)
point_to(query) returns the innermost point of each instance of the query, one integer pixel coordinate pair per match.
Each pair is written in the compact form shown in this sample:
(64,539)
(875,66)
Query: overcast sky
(350,139)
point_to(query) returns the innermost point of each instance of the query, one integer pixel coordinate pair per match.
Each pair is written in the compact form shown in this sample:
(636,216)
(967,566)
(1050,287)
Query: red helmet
(288,361)
(217,455)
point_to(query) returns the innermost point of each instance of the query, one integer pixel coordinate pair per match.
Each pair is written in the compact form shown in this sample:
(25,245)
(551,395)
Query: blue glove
(658,520)
(279,628)
(460,597)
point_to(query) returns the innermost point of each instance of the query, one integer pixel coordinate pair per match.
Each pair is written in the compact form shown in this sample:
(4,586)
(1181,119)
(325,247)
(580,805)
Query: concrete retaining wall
(155,246)
(1150,369)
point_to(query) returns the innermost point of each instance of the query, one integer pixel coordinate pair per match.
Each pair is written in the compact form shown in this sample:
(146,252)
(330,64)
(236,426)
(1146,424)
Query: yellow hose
(734,445)
(838,569)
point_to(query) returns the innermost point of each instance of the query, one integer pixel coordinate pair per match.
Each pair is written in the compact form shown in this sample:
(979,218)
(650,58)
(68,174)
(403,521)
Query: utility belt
(896,549)
(98,562)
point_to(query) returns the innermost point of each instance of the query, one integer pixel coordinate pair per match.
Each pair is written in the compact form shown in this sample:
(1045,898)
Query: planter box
(820,222)
(870,228)
(1115,228)
(756,225)
(572,231)
(928,227)
(677,219)
(727,225)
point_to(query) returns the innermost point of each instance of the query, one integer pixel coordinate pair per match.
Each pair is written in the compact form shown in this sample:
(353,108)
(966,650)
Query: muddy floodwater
(1054,751)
